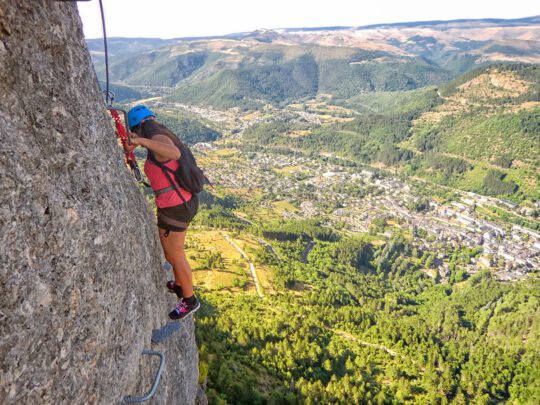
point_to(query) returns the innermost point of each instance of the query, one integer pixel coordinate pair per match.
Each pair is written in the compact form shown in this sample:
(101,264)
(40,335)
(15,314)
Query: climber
(176,206)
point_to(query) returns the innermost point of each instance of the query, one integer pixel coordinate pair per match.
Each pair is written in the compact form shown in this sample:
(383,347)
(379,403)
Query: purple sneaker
(183,309)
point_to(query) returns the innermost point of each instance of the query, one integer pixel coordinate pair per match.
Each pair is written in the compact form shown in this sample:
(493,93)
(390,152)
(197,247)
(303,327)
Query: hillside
(278,74)
(190,129)
(478,129)
(230,74)
(489,118)
(274,67)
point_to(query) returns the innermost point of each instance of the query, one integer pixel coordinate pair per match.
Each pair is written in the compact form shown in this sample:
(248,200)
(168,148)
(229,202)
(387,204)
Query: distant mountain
(123,46)
(126,45)
(276,74)
(277,66)
(499,22)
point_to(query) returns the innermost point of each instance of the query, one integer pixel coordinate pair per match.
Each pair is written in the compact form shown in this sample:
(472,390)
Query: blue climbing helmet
(137,114)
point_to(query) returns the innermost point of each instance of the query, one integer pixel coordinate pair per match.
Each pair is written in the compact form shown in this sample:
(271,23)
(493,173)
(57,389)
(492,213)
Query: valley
(361,197)
(356,199)
(373,231)
(363,275)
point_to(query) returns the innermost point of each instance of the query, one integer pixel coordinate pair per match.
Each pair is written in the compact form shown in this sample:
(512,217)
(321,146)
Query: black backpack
(188,175)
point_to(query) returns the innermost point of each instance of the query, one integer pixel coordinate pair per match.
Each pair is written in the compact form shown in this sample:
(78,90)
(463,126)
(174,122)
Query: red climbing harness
(122,135)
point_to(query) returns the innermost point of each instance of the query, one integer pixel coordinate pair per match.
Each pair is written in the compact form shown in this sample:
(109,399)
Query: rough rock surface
(81,282)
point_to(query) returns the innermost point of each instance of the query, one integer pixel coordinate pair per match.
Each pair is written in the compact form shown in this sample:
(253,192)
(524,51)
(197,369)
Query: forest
(355,321)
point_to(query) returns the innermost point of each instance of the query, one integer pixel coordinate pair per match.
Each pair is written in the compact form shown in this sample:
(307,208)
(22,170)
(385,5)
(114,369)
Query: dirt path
(251,266)
(348,336)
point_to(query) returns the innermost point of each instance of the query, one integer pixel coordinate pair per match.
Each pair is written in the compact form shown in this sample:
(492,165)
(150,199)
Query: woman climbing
(176,206)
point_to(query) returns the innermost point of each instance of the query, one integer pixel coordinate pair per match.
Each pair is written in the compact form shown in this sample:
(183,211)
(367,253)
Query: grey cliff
(81,281)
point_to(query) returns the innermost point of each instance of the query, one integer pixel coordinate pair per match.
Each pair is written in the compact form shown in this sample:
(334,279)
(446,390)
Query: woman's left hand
(135,139)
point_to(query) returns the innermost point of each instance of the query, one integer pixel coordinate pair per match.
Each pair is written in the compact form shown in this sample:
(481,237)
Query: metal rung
(132,399)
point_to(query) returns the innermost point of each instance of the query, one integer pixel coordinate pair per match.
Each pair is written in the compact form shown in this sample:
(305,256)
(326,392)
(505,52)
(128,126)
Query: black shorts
(177,218)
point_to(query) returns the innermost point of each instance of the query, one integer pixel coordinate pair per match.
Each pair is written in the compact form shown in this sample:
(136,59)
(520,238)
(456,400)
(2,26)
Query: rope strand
(109,95)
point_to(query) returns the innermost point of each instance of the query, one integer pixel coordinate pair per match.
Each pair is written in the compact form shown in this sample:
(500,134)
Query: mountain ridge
(251,68)
(236,35)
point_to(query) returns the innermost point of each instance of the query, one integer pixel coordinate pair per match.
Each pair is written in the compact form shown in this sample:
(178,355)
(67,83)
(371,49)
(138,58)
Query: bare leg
(173,247)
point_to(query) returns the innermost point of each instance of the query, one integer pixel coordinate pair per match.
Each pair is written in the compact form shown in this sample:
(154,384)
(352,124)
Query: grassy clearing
(226,152)
(265,278)
(282,206)
(473,179)
(232,276)
(253,115)
(393,224)
(215,157)
(328,114)
(144,101)
(246,193)
(378,242)
(299,133)
(272,211)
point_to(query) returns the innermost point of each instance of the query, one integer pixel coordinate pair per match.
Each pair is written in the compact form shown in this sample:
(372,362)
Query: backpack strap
(166,171)
(163,191)
(208,181)
(173,184)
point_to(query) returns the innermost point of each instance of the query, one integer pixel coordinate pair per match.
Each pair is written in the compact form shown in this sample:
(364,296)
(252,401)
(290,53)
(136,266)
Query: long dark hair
(150,128)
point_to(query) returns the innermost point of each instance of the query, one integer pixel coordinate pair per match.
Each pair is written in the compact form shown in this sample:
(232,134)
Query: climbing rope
(109,95)
(122,135)
(109,98)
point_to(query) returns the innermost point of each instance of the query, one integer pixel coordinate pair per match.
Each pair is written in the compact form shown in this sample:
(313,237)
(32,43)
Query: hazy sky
(180,18)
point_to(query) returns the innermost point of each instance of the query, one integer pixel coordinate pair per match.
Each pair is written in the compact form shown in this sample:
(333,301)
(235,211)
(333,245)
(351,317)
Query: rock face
(81,281)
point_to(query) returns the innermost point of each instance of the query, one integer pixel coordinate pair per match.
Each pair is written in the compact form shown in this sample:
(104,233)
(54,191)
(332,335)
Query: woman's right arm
(164,149)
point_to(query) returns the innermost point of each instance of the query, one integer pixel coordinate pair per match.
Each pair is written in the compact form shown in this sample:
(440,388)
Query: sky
(180,18)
